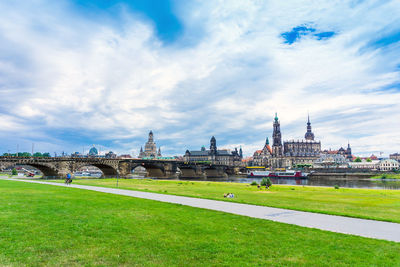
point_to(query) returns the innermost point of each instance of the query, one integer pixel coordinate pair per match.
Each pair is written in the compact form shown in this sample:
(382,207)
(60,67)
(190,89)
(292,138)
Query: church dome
(93,151)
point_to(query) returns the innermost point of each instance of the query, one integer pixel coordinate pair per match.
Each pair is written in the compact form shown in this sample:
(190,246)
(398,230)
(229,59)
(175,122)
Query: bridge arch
(107,170)
(152,170)
(47,171)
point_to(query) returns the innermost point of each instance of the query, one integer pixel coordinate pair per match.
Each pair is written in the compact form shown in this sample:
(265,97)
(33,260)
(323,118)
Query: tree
(38,154)
(269,183)
(266,182)
(47,155)
(357,159)
(263,182)
(369,160)
(14,171)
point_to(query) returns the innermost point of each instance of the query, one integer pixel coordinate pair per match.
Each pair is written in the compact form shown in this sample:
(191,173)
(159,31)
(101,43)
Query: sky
(79,73)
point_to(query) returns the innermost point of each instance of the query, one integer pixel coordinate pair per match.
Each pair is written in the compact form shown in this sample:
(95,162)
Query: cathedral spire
(276,135)
(309,134)
(213,146)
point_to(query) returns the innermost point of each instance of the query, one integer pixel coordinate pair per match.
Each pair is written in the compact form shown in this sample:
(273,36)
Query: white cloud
(65,71)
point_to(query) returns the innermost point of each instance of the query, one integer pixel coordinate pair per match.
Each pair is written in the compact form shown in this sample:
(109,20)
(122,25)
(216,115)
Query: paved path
(346,225)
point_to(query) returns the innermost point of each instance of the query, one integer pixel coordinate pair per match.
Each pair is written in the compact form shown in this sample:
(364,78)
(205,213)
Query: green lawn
(387,176)
(43,225)
(362,203)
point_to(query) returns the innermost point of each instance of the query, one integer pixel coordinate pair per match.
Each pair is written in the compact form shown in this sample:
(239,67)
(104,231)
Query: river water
(329,182)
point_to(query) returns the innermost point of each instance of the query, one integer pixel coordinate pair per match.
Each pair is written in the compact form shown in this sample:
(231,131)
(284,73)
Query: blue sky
(76,73)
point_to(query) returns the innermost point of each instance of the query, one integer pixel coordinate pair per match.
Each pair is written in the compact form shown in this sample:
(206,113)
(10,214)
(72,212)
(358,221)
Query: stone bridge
(59,167)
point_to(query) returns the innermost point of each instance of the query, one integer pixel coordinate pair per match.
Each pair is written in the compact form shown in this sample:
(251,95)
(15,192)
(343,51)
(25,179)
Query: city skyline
(74,73)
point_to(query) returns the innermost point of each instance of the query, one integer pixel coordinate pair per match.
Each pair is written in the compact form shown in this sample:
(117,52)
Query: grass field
(44,225)
(387,176)
(361,203)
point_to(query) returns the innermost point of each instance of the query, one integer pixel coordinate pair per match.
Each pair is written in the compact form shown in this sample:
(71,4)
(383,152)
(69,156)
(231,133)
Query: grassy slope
(362,203)
(387,176)
(47,225)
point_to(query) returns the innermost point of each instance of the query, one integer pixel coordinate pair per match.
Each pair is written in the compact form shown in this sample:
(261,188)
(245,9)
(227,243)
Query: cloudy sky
(73,74)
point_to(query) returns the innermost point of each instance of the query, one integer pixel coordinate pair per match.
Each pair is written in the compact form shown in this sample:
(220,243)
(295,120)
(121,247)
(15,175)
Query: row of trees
(27,154)
(358,159)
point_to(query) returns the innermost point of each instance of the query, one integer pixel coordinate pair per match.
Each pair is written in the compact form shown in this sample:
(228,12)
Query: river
(329,182)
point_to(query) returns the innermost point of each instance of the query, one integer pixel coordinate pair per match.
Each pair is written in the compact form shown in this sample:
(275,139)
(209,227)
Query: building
(395,156)
(110,155)
(372,165)
(150,148)
(293,153)
(214,155)
(93,152)
(331,161)
(388,165)
(341,151)
(277,160)
(263,156)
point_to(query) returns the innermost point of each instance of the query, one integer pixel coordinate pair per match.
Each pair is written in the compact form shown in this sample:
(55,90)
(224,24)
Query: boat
(278,174)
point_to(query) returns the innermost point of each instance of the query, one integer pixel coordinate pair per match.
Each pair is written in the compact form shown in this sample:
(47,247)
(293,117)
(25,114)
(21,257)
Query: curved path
(340,224)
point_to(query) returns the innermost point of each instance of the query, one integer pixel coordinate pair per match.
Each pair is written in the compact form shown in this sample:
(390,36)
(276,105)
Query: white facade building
(331,161)
(372,165)
(388,164)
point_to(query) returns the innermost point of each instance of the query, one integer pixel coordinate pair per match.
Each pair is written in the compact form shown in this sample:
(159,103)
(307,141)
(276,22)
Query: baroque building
(215,155)
(263,156)
(302,152)
(150,148)
(288,153)
(341,151)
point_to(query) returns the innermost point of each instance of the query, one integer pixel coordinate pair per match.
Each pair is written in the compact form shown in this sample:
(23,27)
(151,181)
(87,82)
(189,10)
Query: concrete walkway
(346,225)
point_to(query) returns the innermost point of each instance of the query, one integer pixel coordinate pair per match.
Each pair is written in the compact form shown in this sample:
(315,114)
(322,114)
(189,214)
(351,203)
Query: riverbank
(48,225)
(387,176)
(372,204)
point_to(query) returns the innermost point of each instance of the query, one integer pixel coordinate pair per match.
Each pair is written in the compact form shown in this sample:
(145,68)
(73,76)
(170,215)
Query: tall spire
(277,138)
(213,146)
(267,141)
(309,134)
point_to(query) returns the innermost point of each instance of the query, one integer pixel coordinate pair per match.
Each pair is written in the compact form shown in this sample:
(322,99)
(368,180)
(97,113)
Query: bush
(269,183)
(336,187)
(14,171)
(383,176)
(266,182)
(254,183)
(263,182)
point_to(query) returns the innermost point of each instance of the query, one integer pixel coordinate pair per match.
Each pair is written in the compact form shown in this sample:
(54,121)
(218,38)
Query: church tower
(349,156)
(277,138)
(150,149)
(213,146)
(309,136)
